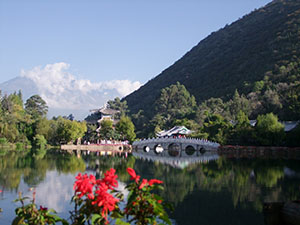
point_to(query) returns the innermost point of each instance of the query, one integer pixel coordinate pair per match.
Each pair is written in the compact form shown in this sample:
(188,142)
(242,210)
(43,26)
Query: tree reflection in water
(34,166)
(223,191)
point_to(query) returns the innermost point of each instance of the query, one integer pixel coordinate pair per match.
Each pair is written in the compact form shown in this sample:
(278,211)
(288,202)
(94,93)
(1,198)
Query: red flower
(105,200)
(144,182)
(110,178)
(43,208)
(159,201)
(131,172)
(84,185)
(133,175)
(154,181)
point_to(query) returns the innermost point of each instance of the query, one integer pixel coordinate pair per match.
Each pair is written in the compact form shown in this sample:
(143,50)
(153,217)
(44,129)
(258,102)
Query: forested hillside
(258,55)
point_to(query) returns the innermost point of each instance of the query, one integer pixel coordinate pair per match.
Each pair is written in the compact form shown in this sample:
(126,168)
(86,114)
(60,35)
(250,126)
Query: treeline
(26,125)
(226,122)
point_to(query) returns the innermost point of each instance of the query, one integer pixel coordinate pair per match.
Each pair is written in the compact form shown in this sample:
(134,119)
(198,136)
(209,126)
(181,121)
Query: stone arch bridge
(175,146)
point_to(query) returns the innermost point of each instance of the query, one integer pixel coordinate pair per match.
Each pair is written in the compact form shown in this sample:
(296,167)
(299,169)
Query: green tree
(106,129)
(242,120)
(242,132)
(126,129)
(42,127)
(119,105)
(268,130)
(174,102)
(39,141)
(141,123)
(36,107)
(217,127)
(238,103)
(14,122)
(91,134)
(213,106)
(69,131)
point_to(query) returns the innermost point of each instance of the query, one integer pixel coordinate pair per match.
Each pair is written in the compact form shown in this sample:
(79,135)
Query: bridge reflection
(175,158)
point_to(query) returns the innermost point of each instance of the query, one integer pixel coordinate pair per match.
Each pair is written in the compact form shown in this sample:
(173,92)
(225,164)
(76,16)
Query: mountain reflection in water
(204,189)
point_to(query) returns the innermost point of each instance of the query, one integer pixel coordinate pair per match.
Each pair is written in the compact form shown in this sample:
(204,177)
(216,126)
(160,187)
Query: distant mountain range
(63,93)
(251,49)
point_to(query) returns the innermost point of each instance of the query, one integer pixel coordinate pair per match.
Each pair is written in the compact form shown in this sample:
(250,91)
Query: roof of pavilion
(177,130)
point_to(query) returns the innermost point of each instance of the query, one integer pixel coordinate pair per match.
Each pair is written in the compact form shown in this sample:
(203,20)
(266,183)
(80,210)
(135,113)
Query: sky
(78,54)
(102,40)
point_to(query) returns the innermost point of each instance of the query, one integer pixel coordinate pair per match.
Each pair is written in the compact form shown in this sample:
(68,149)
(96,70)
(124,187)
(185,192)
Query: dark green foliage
(259,55)
(217,128)
(36,107)
(116,104)
(174,103)
(91,134)
(93,118)
(238,103)
(242,132)
(212,106)
(141,123)
(293,137)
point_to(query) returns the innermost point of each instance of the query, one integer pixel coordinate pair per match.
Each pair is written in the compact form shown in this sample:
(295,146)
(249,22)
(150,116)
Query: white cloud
(62,90)
(48,194)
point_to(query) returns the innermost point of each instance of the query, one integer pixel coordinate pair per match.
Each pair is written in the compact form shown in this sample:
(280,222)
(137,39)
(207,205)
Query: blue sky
(105,40)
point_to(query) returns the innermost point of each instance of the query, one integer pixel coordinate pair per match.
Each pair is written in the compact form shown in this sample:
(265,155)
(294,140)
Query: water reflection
(174,159)
(204,188)
(55,193)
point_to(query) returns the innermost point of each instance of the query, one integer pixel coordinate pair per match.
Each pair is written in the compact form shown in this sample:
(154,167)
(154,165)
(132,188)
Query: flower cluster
(144,182)
(96,201)
(98,190)
(84,185)
(143,205)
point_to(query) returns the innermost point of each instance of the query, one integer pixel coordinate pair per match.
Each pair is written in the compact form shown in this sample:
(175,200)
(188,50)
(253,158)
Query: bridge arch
(202,150)
(190,150)
(174,149)
(146,148)
(158,149)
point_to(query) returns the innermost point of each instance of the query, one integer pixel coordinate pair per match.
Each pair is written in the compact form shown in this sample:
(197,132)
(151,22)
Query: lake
(204,189)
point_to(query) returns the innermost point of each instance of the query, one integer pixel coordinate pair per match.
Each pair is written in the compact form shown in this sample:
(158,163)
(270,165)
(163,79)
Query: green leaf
(18,220)
(121,222)
(95,217)
(116,214)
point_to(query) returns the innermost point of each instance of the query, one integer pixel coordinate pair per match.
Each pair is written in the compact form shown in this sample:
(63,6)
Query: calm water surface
(206,189)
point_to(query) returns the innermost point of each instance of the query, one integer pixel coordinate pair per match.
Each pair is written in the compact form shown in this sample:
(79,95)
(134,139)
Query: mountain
(63,92)
(25,84)
(252,49)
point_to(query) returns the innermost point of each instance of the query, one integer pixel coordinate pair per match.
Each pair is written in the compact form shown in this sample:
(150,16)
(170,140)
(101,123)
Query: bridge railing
(177,140)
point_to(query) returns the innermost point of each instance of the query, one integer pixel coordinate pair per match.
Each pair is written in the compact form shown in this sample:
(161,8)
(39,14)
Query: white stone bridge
(175,146)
